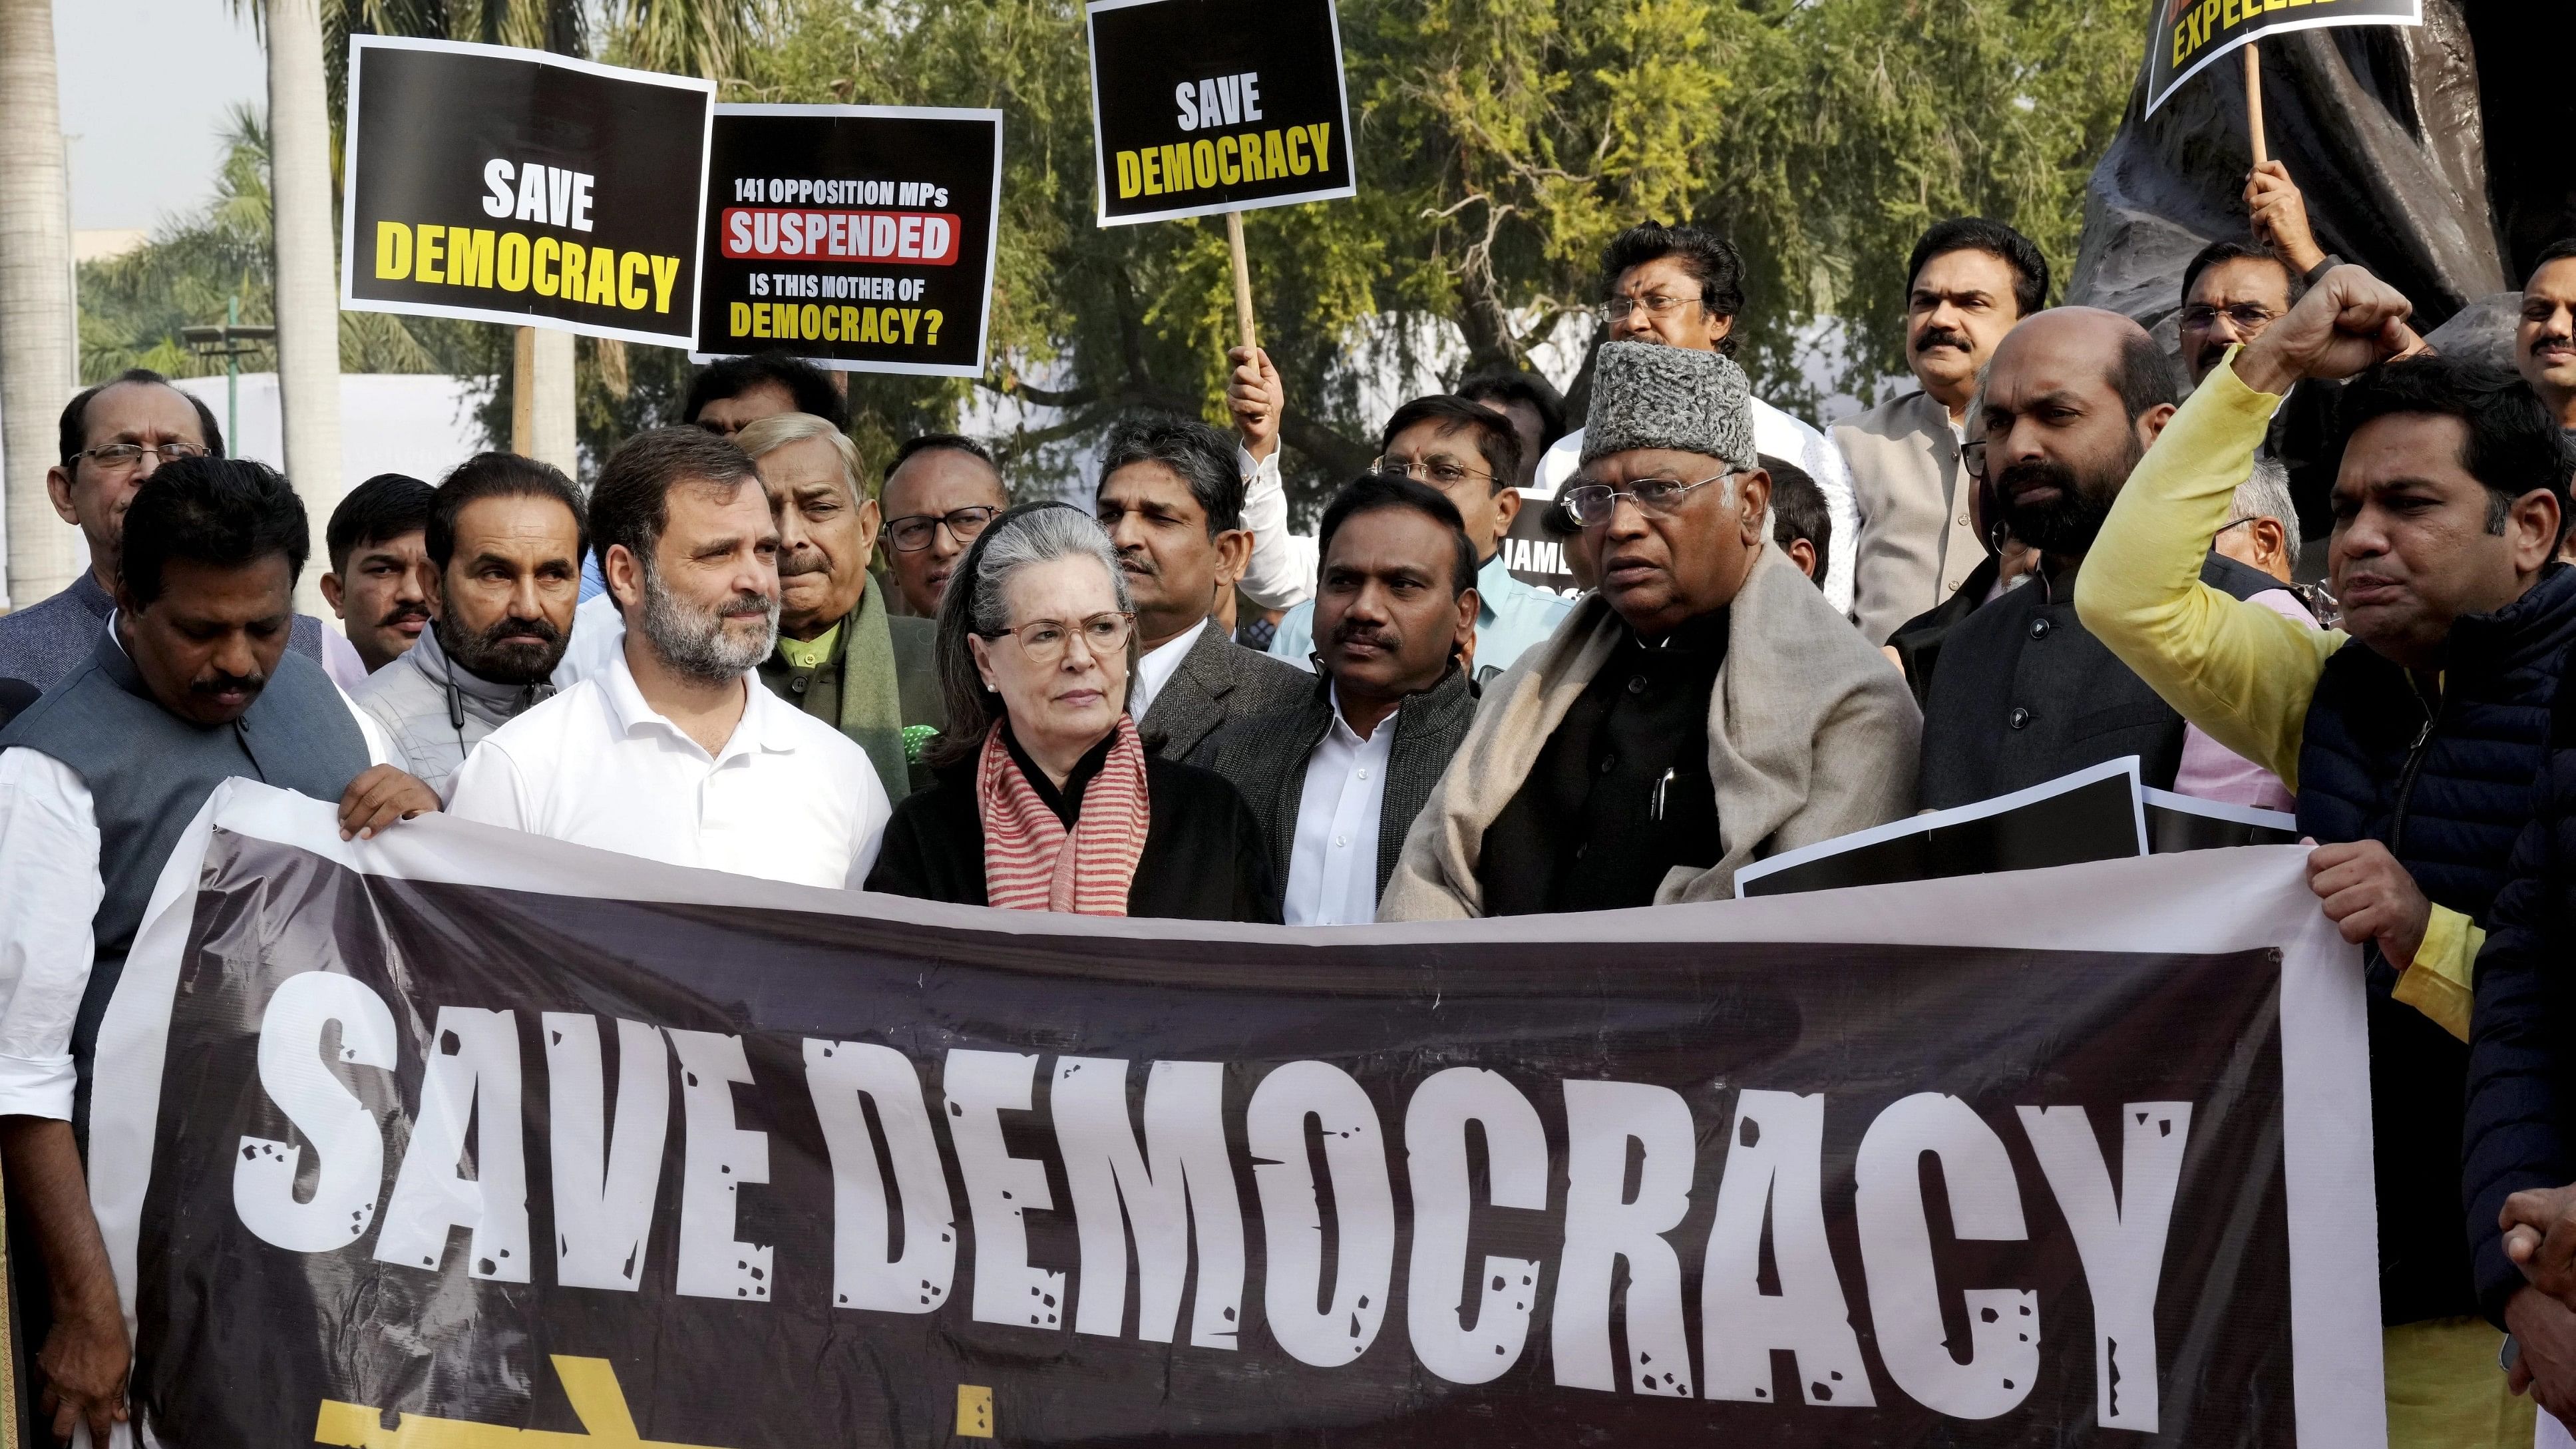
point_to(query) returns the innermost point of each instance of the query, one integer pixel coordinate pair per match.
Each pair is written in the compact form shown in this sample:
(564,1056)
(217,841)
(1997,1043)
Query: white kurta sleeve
(49,848)
(380,748)
(489,788)
(1281,574)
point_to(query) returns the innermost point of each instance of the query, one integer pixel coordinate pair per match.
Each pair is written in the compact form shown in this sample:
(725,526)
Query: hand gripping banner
(464,1138)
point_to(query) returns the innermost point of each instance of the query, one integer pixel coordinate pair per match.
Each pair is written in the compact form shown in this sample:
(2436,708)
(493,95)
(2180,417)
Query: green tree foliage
(1501,143)
(133,307)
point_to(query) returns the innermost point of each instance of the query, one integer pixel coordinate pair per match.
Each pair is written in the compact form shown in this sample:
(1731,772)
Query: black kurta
(1204,856)
(1620,793)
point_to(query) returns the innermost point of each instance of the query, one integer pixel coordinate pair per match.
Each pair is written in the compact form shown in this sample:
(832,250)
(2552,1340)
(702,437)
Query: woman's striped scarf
(1032,863)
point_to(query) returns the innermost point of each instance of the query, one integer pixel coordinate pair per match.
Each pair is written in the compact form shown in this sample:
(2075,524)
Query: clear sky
(145,85)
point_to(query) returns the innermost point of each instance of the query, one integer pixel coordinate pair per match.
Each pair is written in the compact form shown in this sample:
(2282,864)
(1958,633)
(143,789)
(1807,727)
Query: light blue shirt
(1510,617)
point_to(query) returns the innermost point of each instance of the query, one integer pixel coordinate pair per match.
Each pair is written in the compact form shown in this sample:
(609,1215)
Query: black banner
(506,1159)
(1206,106)
(2185,35)
(860,237)
(520,187)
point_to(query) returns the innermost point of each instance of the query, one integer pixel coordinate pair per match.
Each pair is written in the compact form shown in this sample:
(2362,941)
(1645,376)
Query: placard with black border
(488,183)
(1207,106)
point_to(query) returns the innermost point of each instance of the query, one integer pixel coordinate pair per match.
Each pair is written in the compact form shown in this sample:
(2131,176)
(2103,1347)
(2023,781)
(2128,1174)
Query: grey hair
(977,603)
(776,431)
(2266,494)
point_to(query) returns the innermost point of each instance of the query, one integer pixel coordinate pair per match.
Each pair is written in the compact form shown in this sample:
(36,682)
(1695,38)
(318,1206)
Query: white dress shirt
(1332,860)
(788,798)
(1155,668)
(49,875)
(1778,434)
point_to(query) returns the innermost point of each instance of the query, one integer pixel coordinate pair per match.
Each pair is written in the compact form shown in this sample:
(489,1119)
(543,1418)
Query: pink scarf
(1032,863)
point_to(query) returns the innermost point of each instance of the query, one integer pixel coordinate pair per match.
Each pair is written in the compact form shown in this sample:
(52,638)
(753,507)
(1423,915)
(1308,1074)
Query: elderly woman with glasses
(1043,798)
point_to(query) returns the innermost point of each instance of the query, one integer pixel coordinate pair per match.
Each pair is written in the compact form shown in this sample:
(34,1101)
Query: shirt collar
(92,594)
(1341,728)
(1493,582)
(761,726)
(810,653)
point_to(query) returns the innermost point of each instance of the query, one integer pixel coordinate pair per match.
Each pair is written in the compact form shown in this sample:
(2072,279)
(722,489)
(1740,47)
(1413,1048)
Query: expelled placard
(513,186)
(2186,35)
(858,237)
(1207,106)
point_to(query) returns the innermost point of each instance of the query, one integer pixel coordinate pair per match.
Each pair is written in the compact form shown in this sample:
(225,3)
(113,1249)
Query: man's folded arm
(2239,671)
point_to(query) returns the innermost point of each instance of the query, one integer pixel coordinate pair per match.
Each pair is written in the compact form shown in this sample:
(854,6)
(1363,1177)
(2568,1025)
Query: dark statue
(2442,157)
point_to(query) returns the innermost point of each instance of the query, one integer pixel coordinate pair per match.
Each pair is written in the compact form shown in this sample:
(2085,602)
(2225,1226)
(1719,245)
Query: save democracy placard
(458,1133)
(2183,36)
(860,237)
(515,186)
(1207,106)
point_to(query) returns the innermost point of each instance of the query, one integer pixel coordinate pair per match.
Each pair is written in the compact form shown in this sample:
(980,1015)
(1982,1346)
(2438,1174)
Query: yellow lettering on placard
(1323,149)
(666,270)
(630,291)
(1131,177)
(512,271)
(393,251)
(740,319)
(1273,160)
(1297,162)
(432,244)
(1228,170)
(549,251)
(469,257)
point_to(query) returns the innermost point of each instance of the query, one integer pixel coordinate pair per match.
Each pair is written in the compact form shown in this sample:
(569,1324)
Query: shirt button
(2020,718)
(1342,840)
(1609,763)
(1581,849)
(1963,521)
(797,685)
(1637,684)
(2039,628)
(1363,774)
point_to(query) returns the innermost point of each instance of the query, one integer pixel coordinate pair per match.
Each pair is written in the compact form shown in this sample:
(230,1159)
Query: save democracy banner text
(467,1138)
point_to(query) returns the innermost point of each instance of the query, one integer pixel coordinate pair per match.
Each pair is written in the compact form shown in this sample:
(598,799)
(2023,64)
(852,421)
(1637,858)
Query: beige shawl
(1811,734)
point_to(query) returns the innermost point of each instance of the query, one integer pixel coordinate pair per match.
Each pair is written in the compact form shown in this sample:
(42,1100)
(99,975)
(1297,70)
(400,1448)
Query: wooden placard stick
(2254,100)
(1242,278)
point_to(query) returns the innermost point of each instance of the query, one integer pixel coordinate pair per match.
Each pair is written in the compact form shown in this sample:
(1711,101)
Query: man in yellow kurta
(2410,734)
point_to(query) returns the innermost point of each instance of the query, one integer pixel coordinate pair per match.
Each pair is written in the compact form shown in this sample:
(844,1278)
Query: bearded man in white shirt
(675,752)
(190,682)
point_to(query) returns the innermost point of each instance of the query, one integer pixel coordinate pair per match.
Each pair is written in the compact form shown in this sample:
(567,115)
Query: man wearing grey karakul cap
(1703,709)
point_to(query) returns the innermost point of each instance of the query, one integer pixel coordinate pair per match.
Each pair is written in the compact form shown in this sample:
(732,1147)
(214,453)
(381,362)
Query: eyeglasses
(1439,474)
(1972,456)
(913,532)
(1593,503)
(120,457)
(1044,640)
(2246,316)
(1615,310)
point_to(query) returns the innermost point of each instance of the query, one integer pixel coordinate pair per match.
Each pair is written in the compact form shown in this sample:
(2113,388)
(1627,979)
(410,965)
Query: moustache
(1135,560)
(797,566)
(401,613)
(2033,473)
(542,629)
(1942,337)
(220,683)
(1371,634)
(746,605)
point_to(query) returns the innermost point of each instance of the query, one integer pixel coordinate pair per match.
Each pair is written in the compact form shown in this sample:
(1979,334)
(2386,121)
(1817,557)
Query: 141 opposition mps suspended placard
(458,1133)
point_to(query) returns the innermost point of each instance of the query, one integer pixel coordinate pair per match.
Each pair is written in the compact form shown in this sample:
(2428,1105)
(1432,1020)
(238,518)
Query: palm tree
(308,289)
(39,355)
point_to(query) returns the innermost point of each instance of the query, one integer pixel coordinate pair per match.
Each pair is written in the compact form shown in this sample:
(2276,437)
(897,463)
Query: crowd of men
(2319,574)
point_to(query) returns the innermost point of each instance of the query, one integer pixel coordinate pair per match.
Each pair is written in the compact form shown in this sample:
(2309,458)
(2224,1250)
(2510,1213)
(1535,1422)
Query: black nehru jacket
(2025,694)
(1204,856)
(1620,793)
